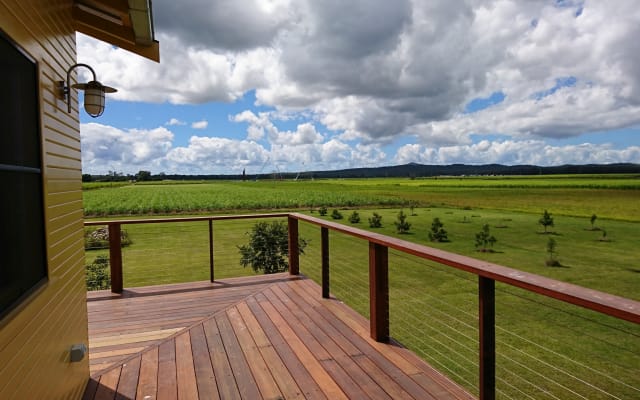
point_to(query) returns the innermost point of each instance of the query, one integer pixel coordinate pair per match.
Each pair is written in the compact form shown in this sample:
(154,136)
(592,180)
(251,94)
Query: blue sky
(299,85)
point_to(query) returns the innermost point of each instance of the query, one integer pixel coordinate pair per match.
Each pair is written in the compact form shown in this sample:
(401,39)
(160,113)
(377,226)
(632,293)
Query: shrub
(98,277)
(375,221)
(402,225)
(322,211)
(99,238)
(335,214)
(268,248)
(438,234)
(354,218)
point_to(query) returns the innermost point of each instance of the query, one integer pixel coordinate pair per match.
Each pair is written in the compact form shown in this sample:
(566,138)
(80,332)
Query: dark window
(22,246)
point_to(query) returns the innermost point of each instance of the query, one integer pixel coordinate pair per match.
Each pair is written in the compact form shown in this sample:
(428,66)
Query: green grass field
(434,308)
(612,197)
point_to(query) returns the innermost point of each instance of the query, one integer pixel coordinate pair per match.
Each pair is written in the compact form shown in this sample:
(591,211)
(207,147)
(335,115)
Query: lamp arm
(67,89)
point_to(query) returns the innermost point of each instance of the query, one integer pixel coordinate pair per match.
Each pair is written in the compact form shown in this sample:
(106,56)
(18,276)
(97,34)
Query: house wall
(35,338)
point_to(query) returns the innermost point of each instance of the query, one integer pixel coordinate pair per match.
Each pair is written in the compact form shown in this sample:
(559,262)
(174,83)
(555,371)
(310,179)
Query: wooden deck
(266,337)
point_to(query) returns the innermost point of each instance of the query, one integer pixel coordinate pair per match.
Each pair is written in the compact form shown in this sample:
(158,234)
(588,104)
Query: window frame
(39,278)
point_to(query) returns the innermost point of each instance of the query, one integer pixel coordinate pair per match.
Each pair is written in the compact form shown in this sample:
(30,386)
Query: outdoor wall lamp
(93,92)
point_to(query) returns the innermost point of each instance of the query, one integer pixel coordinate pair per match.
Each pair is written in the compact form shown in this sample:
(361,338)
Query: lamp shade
(94,97)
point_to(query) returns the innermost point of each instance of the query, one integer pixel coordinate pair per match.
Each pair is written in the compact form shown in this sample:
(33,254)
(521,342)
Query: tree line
(411,170)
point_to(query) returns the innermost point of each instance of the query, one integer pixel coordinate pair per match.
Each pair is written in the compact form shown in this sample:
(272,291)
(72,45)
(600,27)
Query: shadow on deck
(269,337)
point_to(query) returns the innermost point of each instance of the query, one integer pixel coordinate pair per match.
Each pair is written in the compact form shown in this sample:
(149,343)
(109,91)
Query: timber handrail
(184,219)
(605,303)
(115,247)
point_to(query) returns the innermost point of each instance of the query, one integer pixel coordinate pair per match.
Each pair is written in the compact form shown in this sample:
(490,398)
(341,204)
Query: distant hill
(421,170)
(411,170)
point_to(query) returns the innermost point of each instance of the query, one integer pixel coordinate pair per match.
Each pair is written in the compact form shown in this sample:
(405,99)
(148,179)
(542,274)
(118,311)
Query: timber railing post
(324,239)
(294,256)
(115,257)
(379,292)
(211,250)
(487,339)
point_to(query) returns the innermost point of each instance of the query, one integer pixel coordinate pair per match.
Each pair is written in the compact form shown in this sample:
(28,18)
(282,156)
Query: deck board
(121,325)
(148,379)
(272,338)
(205,378)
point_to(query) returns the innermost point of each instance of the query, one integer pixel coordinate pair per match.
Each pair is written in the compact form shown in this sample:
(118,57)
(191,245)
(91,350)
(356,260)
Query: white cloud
(223,24)
(304,134)
(258,124)
(174,122)
(569,112)
(262,123)
(200,124)
(509,152)
(374,73)
(205,155)
(108,148)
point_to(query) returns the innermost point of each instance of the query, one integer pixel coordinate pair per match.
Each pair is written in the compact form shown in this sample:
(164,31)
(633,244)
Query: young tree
(484,239)
(268,248)
(402,225)
(604,237)
(593,221)
(546,220)
(438,234)
(375,221)
(336,214)
(412,206)
(354,218)
(551,250)
(322,211)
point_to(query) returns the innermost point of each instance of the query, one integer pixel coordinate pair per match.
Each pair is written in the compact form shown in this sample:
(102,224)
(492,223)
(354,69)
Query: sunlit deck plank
(280,341)
(122,325)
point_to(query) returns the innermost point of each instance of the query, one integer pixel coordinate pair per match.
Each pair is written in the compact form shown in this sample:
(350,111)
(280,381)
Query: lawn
(613,197)
(546,349)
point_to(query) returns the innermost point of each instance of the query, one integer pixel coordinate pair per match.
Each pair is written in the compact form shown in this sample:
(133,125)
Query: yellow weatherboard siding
(36,337)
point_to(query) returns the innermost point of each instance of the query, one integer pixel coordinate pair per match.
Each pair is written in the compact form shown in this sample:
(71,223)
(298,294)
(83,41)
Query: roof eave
(128,25)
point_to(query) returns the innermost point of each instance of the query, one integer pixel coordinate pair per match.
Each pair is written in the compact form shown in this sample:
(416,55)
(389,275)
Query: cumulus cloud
(262,124)
(304,134)
(510,152)
(223,24)
(200,124)
(372,72)
(116,149)
(258,124)
(188,74)
(175,121)
(106,148)
(206,155)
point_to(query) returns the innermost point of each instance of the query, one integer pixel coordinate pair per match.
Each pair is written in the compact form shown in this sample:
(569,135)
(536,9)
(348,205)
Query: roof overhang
(127,24)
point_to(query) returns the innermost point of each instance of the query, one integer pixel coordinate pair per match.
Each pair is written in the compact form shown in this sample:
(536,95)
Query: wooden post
(115,257)
(294,257)
(487,339)
(324,236)
(211,251)
(379,292)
